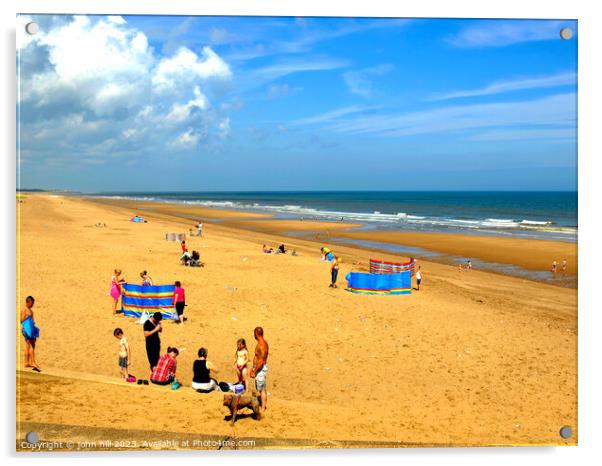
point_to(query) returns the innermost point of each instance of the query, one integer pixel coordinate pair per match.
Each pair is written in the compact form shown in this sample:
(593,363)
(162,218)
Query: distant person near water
(563,265)
(260,367)
(31,334)
(152,328)
(146,280)
(115,292)
(179,301)
(125,357)
(202,368)
(554,265)
(164,372)
(418,279)
(200,229)
(334,272)
(468,265)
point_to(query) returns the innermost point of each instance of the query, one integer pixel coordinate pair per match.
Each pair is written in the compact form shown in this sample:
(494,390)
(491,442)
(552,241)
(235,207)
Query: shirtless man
(260,368)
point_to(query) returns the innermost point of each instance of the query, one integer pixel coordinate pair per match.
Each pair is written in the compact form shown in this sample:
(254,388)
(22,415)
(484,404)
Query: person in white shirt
(418,279)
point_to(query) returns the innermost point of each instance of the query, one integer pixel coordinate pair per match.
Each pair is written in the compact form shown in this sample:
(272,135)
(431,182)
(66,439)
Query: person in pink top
(179,301)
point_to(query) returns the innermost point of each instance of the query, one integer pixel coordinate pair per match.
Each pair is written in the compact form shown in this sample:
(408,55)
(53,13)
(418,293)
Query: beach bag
(224,387)
(143,318)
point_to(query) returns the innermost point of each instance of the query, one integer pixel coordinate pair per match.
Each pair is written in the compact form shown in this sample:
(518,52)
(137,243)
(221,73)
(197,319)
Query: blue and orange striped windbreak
(138,299)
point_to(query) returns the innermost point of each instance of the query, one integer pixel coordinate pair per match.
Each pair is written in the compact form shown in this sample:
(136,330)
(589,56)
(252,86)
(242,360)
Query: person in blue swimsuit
(30,333)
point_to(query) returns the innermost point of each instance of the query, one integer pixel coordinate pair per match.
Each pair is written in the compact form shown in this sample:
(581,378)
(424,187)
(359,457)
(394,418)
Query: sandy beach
(472,359)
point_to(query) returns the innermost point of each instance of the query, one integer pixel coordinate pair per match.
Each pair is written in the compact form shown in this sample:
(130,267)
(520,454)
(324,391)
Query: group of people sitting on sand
(163,367)
(467,267)
(188,259)
(279,250)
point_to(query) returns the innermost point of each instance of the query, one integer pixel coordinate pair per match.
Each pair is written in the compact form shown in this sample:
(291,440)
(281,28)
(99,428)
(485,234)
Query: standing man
(152,327)
(200,229)
(260,368)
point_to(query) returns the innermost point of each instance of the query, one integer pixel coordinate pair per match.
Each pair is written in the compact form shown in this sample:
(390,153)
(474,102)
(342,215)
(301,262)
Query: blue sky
(150,103)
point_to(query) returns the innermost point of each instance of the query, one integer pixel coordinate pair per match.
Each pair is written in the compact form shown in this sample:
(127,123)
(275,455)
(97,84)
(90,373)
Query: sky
(174,103)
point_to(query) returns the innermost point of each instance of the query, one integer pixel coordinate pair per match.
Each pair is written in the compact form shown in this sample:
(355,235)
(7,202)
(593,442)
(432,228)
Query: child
(116,282)
(125,358)
(185,254)
(242,359)
(146,280)
(179,301)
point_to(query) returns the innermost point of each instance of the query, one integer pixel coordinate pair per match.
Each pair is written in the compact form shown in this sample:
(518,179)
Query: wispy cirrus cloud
(498,87)
(333,115)
(556,110)
(284,68)
(309,37)
(360,82)
(549,134)
(496,33)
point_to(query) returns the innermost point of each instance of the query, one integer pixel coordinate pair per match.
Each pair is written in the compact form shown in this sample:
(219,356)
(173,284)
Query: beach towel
(385,284)
(30,331)
(138,300)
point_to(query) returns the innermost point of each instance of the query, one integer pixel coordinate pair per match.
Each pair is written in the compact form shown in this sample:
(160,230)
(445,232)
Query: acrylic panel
(312,232)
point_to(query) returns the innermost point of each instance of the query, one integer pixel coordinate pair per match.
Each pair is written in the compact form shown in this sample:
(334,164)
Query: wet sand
(531,254)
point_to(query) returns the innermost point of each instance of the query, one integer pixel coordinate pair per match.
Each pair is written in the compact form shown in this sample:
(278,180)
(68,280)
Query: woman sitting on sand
(146,280)
(116,282)
(267,250)
(195,260)
(282,249)
(202,381)
(165,371)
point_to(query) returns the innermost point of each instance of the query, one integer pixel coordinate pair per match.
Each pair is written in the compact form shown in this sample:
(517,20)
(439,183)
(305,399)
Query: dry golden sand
(477,358)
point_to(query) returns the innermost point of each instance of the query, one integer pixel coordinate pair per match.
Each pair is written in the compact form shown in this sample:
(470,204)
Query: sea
(532,214)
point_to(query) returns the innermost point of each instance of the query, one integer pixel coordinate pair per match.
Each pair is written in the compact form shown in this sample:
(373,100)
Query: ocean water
(550,215)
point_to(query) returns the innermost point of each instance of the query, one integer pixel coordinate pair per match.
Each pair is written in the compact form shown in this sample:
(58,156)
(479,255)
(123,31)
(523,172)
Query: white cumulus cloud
(93,84)
(186,66)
